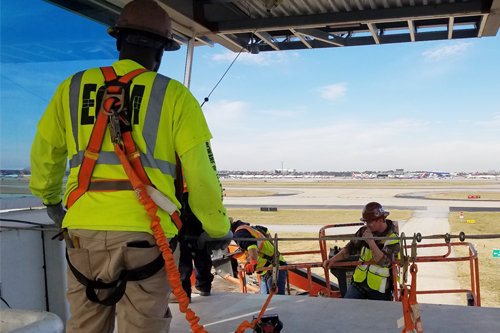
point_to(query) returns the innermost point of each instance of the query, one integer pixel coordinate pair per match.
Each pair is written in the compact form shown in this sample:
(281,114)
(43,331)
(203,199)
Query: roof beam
(352,17)
(368,40)
(411,28)
(232,41)
(450,27)
(482,24)
(205,41)
(373,30)
(302,39)
(321,35)
(266,37)
(492,23)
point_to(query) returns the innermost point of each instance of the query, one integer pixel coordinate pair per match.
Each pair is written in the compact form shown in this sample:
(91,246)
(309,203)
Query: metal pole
(189,62)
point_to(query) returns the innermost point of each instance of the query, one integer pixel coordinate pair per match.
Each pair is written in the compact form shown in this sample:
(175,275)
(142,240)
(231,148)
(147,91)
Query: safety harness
(261,239)
(113,113)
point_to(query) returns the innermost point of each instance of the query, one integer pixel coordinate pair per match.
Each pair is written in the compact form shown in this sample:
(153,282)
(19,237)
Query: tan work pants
(102,255)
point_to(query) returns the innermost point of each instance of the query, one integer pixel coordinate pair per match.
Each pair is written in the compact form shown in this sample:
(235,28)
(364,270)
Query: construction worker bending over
(371,281)
(259,253)
(114,263)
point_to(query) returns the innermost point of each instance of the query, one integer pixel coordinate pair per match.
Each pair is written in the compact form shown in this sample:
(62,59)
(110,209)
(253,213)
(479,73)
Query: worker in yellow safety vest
(114,264)
(259,253)
(371,281)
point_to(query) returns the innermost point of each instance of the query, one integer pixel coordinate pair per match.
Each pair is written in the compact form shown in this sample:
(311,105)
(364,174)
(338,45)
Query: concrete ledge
(224,312)
(18,321)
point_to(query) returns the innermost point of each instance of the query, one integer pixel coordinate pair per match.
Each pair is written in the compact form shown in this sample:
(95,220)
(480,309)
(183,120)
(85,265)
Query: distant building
(285,171)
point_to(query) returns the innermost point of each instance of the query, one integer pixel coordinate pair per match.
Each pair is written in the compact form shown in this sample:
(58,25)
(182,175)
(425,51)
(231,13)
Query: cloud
(261,59)
(493,124)
(333,91)
(348,145)
(249,138)
(445,51)
(225,114)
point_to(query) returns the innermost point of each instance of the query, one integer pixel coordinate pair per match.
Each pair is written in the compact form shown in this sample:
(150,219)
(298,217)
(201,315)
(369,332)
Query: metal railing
(472,259)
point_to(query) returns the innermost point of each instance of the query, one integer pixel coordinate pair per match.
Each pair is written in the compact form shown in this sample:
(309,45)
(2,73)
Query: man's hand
(214,243)
(377,254)
(367,233)
(250,266)
(56,213)
(370,242)
(329,263)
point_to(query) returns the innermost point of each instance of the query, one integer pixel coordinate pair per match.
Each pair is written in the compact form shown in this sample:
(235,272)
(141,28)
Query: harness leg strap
(136,274)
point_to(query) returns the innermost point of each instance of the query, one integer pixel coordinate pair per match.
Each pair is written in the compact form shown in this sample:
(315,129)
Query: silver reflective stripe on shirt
(74,98)
(380,271)
(391,241)
(149,132)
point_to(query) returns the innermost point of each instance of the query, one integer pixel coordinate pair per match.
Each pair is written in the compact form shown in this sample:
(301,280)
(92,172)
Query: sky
(426,106)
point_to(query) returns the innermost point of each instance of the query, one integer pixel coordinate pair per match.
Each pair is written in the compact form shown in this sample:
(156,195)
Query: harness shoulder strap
(94,146)
(254,232)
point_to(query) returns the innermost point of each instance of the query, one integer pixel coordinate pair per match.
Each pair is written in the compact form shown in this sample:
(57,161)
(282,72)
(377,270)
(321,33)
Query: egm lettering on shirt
(90,99)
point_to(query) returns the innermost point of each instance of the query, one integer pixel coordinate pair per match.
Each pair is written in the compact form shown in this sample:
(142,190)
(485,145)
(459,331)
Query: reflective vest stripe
(153,112)
(110,158)
(74,94)
(381,271)
(383,285)
(149,132)
(391,241)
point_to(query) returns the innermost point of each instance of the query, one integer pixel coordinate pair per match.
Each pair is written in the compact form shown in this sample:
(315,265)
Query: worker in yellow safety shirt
(114,264)
(371,281)
(259,253)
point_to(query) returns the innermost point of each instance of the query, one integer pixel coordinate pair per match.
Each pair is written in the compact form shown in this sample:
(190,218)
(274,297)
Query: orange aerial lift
(301,277)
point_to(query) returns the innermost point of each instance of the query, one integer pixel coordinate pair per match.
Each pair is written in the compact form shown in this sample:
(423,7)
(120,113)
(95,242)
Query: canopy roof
(275,25)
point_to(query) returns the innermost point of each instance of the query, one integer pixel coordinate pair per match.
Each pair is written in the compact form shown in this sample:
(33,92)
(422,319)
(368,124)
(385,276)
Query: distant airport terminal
(293,173)
(390,174)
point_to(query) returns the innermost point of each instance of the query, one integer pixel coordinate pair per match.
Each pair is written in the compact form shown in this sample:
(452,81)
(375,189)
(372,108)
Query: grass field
(489,267)
(309,216)
(247,193)
(464,195)
(296,246)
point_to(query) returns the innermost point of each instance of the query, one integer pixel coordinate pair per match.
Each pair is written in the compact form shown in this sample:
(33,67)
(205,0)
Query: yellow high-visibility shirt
(165,119)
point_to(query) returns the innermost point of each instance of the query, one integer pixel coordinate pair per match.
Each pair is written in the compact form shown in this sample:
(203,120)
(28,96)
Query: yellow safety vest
(264,247)
(165,119)
(376,276)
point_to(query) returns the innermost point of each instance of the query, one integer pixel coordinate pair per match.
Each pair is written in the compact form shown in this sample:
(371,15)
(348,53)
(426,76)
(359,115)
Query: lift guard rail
(472,258)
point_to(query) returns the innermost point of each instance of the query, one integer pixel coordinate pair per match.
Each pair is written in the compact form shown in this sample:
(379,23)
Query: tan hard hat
(149,16)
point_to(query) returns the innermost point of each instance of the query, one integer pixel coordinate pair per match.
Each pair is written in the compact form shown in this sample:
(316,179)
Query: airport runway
(430,217)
